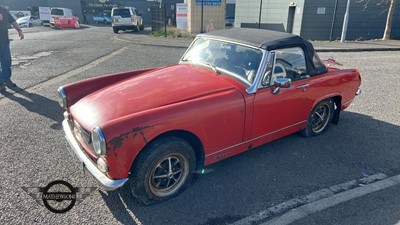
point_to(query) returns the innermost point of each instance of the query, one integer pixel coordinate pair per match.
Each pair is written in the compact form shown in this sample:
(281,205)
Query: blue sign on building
(209,2)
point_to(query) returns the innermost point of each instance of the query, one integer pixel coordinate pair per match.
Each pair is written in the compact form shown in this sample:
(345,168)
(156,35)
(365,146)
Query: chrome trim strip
(241,143)
(261,70)
(107,183)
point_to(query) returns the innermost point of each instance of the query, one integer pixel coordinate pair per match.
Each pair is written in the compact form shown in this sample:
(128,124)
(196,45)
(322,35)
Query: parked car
(233,90)
(61,13)
(229,21)
(126,18)
(102,18)
(29,21)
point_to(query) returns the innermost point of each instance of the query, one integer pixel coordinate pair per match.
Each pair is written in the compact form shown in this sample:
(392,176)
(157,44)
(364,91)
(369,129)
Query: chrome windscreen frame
(260,73)
(252,86)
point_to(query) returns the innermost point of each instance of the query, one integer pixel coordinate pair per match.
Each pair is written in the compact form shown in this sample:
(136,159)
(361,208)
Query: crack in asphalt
(25,60)
(66,75)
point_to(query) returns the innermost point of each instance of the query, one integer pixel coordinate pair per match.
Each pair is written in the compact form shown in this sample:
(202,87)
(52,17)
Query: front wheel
(115,30)
(162,170)
(319,118)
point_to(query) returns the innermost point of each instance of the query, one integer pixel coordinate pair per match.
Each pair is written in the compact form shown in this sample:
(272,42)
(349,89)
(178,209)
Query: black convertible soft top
(270,40)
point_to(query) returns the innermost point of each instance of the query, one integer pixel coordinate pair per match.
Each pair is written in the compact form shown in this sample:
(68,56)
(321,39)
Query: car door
(278,111)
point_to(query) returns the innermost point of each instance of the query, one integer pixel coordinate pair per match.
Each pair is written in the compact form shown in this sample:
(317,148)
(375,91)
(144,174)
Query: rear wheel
(115,30)
(141,27)
(162,170)
(319,118)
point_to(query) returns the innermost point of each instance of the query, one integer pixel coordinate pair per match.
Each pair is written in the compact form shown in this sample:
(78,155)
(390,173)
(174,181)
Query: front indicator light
(102,165)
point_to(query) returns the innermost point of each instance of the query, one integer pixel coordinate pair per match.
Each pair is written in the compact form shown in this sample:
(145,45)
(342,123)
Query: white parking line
(301,207)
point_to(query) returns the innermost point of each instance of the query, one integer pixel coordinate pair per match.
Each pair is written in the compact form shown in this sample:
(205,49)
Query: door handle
(303,86)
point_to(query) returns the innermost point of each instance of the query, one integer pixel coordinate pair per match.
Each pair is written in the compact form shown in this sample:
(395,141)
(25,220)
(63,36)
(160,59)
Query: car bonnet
(157,88)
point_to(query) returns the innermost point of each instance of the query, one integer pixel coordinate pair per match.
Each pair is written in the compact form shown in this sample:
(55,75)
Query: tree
(389,19)
(388,27)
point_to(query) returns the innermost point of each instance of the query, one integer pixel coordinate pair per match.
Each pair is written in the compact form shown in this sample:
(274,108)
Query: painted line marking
(300,207)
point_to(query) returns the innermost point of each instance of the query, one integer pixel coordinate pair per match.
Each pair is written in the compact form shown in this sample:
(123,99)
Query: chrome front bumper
(107,183)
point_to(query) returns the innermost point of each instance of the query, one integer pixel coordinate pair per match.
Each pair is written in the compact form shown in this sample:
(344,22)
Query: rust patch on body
(116,142)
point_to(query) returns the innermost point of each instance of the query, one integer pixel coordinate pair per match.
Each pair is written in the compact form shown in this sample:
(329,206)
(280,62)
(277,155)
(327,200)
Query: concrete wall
(365,21)
(274,14)
(213,17)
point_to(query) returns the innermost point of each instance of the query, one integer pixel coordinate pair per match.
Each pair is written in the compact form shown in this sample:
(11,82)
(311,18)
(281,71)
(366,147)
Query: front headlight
(98,141)
(62,97)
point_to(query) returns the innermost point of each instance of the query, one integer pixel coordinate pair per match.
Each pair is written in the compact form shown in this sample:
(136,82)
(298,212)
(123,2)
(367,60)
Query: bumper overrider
(107,183)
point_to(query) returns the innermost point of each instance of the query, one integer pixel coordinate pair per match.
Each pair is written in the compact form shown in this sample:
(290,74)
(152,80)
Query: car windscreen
(57,12)
(238,60)
(124,13)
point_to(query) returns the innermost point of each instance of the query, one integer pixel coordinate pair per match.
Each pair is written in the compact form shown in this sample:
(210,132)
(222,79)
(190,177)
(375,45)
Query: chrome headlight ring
(62,97)
(98,141)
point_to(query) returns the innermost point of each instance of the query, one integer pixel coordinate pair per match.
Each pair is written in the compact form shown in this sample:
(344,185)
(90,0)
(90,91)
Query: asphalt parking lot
(33,151)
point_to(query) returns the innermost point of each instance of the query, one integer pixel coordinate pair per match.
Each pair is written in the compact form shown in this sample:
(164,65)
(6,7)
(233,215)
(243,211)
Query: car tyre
(319,119)
(141,27)
(162,170)
(30,25)
(115,30)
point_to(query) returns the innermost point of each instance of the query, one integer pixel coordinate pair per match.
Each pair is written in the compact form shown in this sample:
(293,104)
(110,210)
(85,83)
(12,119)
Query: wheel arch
(337,100)
(187,136)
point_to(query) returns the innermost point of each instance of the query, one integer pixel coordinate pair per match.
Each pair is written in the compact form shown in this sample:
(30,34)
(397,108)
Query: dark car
(229,21)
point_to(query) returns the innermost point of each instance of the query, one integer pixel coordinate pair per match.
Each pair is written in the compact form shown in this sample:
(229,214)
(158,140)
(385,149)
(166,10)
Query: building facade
(318,19)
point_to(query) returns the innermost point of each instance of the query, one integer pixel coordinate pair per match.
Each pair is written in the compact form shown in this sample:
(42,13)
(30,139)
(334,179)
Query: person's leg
(5,62)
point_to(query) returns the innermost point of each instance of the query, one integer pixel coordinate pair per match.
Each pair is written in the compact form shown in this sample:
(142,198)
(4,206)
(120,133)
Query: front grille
(85,135)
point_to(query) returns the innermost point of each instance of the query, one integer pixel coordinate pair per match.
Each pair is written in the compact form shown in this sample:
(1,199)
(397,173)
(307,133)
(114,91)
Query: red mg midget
(232,90)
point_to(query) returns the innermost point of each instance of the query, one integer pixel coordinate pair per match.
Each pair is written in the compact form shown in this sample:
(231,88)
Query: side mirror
(279,83)
(282,82)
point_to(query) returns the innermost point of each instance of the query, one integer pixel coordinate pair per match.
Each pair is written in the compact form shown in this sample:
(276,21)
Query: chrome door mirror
(281,82)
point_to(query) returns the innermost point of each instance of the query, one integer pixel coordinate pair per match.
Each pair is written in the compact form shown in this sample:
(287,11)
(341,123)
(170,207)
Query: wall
(230,10)
(213,17)
(274,14)
(365,22)
(22,4)
(395,34)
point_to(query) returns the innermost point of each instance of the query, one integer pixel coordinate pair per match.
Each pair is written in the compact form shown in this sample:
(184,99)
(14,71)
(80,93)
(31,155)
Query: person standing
(5,53)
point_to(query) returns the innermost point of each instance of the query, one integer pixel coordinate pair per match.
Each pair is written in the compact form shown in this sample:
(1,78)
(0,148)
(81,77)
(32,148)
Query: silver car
(126,18)
(29,21)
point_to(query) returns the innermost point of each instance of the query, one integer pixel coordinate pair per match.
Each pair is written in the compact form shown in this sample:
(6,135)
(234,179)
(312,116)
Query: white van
(126,18)
(60,12)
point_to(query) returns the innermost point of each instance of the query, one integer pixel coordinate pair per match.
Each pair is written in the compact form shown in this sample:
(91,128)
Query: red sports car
(233,90)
